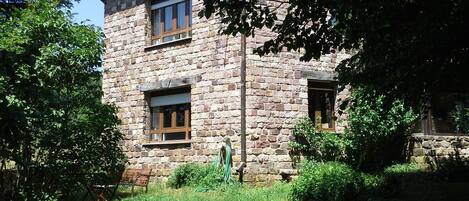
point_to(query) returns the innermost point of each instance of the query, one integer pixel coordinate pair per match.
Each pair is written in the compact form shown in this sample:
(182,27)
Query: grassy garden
(404,182)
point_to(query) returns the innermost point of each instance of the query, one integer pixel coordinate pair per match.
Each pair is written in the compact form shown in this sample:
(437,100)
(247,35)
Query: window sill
(166,44)
(167,142)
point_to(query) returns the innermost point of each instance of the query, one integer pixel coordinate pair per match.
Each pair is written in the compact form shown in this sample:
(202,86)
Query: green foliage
(377,128)
(331,181)
(396,175)
(183,174)
(201,177)
(374,184)
(399,46)
(389,182)
(454,168)
(460,118)
(52,120)
(317,146)
(403,169)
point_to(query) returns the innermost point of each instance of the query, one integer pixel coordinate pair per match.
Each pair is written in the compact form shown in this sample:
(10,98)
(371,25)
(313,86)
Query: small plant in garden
(460,118)
(330,181)
(201,177)
(373,185)
(317,146)
(454,168)
(377,129)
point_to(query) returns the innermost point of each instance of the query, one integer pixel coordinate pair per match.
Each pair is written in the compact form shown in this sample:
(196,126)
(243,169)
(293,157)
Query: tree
(52,120)
(402,48)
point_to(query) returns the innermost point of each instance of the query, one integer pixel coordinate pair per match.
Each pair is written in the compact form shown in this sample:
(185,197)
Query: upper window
(321,96)
(170,118)
(171,20)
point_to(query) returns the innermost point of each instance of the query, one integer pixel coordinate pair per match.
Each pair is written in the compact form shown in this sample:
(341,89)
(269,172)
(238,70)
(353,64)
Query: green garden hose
(224,160)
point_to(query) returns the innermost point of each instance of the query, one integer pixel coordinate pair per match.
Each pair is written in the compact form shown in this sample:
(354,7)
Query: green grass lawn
(414,189)
(276,192)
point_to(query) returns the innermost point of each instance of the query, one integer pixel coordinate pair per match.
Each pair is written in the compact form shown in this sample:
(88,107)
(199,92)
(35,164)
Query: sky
(92,10)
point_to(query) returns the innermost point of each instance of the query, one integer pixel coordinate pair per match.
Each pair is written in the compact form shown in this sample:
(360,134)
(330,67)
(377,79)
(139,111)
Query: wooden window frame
(317,109)
(173,129)
(175,30)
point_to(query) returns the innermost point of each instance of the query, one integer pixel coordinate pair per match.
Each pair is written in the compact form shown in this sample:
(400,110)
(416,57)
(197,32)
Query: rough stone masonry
(208,63)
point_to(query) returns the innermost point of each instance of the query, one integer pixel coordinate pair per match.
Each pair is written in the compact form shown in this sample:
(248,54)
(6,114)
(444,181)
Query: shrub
(378,125)
(330,181)
(317,146)
(459,117)
(374,184)
(396,175)
(403,169)
(454,168)
(201,177)
(182,175)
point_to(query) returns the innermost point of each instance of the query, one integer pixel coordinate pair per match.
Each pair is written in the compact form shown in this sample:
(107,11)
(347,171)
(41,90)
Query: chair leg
(133,190)
(146,188)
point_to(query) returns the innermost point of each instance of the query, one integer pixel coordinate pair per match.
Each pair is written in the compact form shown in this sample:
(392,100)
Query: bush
(183,174)
(378,125)
(403,169)
(454,168)
(374,184)
(459,117)
(331,181)
(396,175)
(201,177)
(317,146)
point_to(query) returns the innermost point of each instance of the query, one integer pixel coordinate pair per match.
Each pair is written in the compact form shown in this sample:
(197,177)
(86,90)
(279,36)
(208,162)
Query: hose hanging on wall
(224,160)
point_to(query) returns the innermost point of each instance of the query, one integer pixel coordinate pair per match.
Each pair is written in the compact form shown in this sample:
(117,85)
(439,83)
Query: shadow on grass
(446,179)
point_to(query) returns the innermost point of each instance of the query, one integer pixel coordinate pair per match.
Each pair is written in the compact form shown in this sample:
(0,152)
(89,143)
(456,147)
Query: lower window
(170,118)
(321,99)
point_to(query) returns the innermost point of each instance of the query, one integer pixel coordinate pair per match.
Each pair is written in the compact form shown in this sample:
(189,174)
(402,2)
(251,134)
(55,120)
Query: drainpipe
(241,167)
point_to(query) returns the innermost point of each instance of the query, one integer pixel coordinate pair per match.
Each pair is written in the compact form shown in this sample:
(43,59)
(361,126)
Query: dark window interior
(321,100)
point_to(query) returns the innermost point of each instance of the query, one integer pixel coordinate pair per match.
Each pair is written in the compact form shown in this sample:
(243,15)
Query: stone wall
(430,149)
(209,64)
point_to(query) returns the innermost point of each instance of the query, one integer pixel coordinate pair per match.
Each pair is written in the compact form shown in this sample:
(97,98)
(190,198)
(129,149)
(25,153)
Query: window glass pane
(167,117)
(156,42)
(155,118)
(175,136)
(168,17)
(190,12)
(181,7)
(326,110)
(156,21)
(155,137)
(167,39)
(180,115)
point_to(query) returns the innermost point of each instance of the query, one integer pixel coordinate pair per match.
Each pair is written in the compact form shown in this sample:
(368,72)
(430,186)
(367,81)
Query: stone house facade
(176,83)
